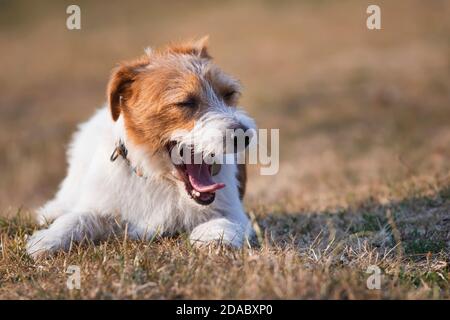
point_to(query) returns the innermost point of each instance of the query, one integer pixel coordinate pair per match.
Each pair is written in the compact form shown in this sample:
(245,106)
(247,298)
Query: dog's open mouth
(198,181)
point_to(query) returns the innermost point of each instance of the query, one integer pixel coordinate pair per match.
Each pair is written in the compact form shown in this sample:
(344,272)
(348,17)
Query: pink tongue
(200,178)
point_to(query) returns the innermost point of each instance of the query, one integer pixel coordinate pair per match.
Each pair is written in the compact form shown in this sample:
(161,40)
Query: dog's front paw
(219,231)
(42,243)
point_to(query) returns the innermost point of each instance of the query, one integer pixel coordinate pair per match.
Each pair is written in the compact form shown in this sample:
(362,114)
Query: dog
(122,177)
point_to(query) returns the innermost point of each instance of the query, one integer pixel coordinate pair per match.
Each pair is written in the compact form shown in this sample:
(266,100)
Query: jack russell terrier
(142,164)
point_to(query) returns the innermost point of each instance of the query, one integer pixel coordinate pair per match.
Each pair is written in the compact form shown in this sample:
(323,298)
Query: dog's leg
(73,226)
(48,213)
(141,232)
(231,226)
(222,231)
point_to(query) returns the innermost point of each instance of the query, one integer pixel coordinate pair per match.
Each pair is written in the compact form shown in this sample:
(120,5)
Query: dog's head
(177,99)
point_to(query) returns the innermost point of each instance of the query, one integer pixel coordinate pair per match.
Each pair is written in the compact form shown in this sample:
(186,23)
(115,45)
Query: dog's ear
(200,47)
(197,47)
(120,84)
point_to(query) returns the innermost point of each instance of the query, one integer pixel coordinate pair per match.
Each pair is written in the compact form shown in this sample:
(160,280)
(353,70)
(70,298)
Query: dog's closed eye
(230,96)
(190,102)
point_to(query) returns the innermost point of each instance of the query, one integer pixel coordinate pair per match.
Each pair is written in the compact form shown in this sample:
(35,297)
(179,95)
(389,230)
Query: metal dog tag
(215,169)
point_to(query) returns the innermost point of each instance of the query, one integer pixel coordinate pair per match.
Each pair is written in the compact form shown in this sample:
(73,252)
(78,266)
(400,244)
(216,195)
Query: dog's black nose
(241,138)
(236,141)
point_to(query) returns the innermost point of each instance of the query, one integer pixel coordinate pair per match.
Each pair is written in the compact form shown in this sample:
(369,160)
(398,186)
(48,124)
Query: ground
(364,147)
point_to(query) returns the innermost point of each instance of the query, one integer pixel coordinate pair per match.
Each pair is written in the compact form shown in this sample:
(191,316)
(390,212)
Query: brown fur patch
(120,81)
(151,92)
(193,47)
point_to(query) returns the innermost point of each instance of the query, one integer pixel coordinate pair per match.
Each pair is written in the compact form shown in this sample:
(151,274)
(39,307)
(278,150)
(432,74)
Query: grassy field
(364,120)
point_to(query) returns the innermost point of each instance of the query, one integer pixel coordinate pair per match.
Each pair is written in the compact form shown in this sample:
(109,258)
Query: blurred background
(362,114)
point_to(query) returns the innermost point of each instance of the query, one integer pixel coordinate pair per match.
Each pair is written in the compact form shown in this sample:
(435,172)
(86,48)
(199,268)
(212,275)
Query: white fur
(99,198)
(209,131)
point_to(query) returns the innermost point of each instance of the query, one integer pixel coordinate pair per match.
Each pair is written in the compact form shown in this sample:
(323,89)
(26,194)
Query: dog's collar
(121,150)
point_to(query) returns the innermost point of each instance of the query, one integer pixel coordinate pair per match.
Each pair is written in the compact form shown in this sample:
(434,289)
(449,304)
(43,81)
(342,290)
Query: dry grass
(302,255)
(365,163)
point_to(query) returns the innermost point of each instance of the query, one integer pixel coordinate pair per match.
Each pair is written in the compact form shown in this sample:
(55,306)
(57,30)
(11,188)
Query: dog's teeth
(196,193)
